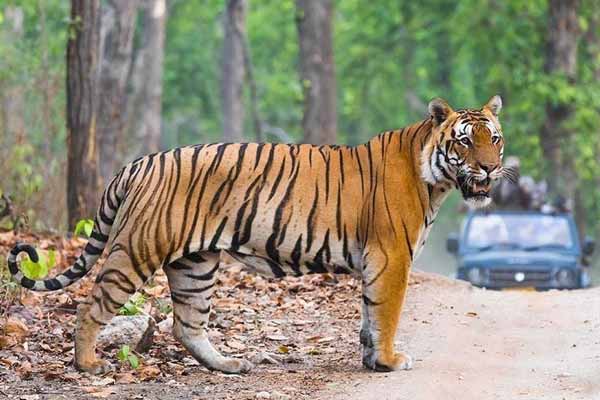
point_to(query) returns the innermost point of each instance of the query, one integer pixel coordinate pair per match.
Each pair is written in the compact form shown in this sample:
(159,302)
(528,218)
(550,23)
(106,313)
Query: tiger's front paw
(375,361)
(94,367)
(235,366)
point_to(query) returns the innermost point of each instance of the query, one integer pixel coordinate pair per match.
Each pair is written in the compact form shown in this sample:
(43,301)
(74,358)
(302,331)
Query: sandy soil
(475,344)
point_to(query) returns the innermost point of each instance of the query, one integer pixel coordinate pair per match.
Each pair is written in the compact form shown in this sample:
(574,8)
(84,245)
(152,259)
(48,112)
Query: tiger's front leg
(385,279)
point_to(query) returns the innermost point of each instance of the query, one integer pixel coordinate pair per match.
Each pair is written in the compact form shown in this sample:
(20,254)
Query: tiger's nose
(488,169)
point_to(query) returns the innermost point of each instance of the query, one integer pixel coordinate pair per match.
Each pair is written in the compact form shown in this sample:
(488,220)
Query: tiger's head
(465,149)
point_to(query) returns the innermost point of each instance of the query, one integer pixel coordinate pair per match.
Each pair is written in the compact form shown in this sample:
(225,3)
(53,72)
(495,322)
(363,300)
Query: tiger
(281,210)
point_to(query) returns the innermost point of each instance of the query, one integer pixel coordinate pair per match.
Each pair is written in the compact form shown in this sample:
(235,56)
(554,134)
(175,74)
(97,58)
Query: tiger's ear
(439,110)
(494,105)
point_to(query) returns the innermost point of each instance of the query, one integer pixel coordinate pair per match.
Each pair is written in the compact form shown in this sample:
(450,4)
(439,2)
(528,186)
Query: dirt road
(476,344)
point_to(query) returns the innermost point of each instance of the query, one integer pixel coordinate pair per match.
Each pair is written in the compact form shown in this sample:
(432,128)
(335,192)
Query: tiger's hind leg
(192,279)
(117,281)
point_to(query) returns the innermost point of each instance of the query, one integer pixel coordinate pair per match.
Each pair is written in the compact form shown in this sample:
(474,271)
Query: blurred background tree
(202,71)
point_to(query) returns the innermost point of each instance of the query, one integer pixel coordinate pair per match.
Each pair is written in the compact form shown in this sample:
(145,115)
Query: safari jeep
(521,249)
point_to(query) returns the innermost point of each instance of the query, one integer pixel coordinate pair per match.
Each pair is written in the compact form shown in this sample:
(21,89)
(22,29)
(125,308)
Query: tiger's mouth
(475,190)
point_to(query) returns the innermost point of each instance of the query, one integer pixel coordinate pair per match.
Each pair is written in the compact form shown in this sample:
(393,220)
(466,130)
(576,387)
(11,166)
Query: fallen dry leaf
(326,339)
(15,328)
(24,370)
(7,341)
(71,376)
(277,338)
(148,372)
(103,382)
(283,349)
(99,392)
(236,345)
(124,377)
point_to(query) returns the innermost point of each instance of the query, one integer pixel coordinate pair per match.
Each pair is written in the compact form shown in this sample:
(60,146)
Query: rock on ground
(136,331)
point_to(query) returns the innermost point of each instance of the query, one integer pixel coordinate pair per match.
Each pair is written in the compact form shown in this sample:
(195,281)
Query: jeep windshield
(528,232)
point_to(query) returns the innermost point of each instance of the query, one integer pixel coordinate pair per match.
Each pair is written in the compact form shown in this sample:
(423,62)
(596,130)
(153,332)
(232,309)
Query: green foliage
(9,289)
(33,67)
(163,305)
(85,226)
(40,269)
(134,305)
(126,355)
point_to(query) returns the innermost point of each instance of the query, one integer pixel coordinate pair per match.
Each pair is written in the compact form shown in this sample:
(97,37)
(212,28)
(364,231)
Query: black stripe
(218,158)
(295,256)
(341,157)
(205,310)
(327,180)
(190,326)
(345,252)
(179,266)
(195,257)
(277,180)
(177,300)
(235,240)
(195,290)
(197,212)
(99,236)
(191,189)
(73,274)
(259,150)
(310,220)
(98,322)
(206,276)
(245,237)
(275,269)
(161,166)
(338,213)
(219,190)
(52,284)
(93,250)
(108,221)
(125,285)
(270,245)
(410,249)
(369,302)
(169,225)
(361,173)
(215,239)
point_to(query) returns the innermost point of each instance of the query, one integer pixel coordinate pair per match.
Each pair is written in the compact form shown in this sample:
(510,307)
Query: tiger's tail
(105,216)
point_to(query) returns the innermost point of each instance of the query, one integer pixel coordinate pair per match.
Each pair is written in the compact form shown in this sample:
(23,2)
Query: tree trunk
(561,61)
(82,158)
(48,96)
(592,39)
(116,38)
(12,93)
(317,72)
(233,70)
(144,112)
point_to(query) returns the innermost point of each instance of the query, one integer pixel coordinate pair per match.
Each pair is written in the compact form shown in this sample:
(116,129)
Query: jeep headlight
(475,275)
(565,277)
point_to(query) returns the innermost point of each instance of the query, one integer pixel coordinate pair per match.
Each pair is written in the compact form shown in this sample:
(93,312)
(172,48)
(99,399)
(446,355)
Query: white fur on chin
(475,203)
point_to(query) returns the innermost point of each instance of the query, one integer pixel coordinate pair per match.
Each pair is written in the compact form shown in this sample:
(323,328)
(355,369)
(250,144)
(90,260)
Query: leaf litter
(300,332)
